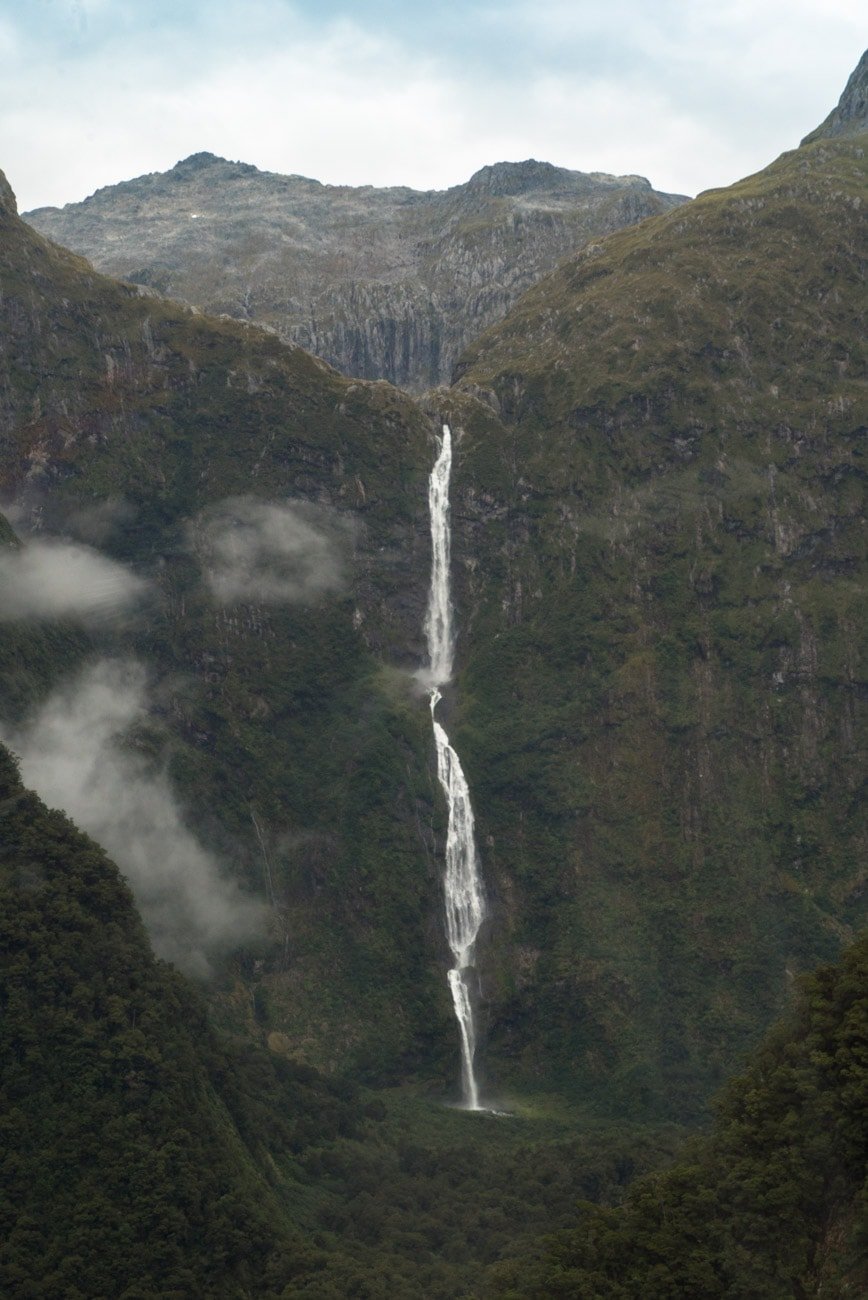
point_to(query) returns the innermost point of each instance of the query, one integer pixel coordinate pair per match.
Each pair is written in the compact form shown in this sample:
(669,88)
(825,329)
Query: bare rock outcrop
(381,283)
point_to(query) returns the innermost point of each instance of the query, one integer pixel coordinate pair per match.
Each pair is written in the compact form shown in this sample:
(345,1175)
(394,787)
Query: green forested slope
(140,414)
(137,1148)
(661,555)
(772,1205)
(32,654)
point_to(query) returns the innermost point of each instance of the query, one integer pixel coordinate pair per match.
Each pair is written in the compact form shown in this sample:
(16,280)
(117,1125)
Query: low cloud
(270,553)
(73,755)
(93,524)
(44,579)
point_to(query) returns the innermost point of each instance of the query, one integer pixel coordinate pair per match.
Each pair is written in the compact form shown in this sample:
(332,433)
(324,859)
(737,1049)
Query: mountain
(382,283)
(211,605)
(660,554)
(659,568)
(146,1152)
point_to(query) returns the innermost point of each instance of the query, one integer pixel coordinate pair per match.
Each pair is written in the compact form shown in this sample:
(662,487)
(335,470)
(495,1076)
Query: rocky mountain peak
(381,283)
(510,178)
(199,163)
(850,115)
(513,179)
(8,206)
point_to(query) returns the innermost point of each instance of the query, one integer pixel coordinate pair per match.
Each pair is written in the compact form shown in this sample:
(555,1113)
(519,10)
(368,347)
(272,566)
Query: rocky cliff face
(850,114)
(382,283)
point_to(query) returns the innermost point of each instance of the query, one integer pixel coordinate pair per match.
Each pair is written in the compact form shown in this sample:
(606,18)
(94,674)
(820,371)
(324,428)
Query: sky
(690,93)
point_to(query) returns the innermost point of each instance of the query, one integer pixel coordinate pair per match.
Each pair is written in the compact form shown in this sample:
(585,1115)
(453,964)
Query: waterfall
(465,903)
(438,620)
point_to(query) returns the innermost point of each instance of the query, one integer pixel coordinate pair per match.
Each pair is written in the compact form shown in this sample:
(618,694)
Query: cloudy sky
(691,93)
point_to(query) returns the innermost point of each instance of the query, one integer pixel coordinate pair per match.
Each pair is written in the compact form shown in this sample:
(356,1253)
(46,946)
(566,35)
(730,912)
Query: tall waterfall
(465,903)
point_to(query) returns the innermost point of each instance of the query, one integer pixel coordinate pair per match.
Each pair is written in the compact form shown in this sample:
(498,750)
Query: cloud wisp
(269,553)
(73,755)
(51,579)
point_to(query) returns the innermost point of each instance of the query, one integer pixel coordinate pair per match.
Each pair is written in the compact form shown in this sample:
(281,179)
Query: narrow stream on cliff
(464,898)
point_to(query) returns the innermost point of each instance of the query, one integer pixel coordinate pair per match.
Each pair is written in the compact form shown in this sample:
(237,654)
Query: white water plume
(465,901)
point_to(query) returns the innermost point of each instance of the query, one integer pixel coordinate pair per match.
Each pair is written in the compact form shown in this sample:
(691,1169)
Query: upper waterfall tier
(438,619)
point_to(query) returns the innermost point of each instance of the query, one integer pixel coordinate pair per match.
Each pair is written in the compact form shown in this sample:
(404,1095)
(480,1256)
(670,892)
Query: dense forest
(773,1203)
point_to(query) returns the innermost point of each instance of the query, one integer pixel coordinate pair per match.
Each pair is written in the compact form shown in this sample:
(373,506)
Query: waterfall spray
(465,902)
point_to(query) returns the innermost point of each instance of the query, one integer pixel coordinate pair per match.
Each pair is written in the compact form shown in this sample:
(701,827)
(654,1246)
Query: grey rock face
(850,114)
(8,204)
(382,283)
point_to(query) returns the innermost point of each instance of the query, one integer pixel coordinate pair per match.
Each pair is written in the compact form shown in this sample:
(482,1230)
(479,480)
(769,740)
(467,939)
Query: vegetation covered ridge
(137,1145)
(771,1204)
(661,572)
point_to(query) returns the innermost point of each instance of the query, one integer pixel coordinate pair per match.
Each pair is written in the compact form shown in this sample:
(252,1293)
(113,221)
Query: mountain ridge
(850,114)
(382,282)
